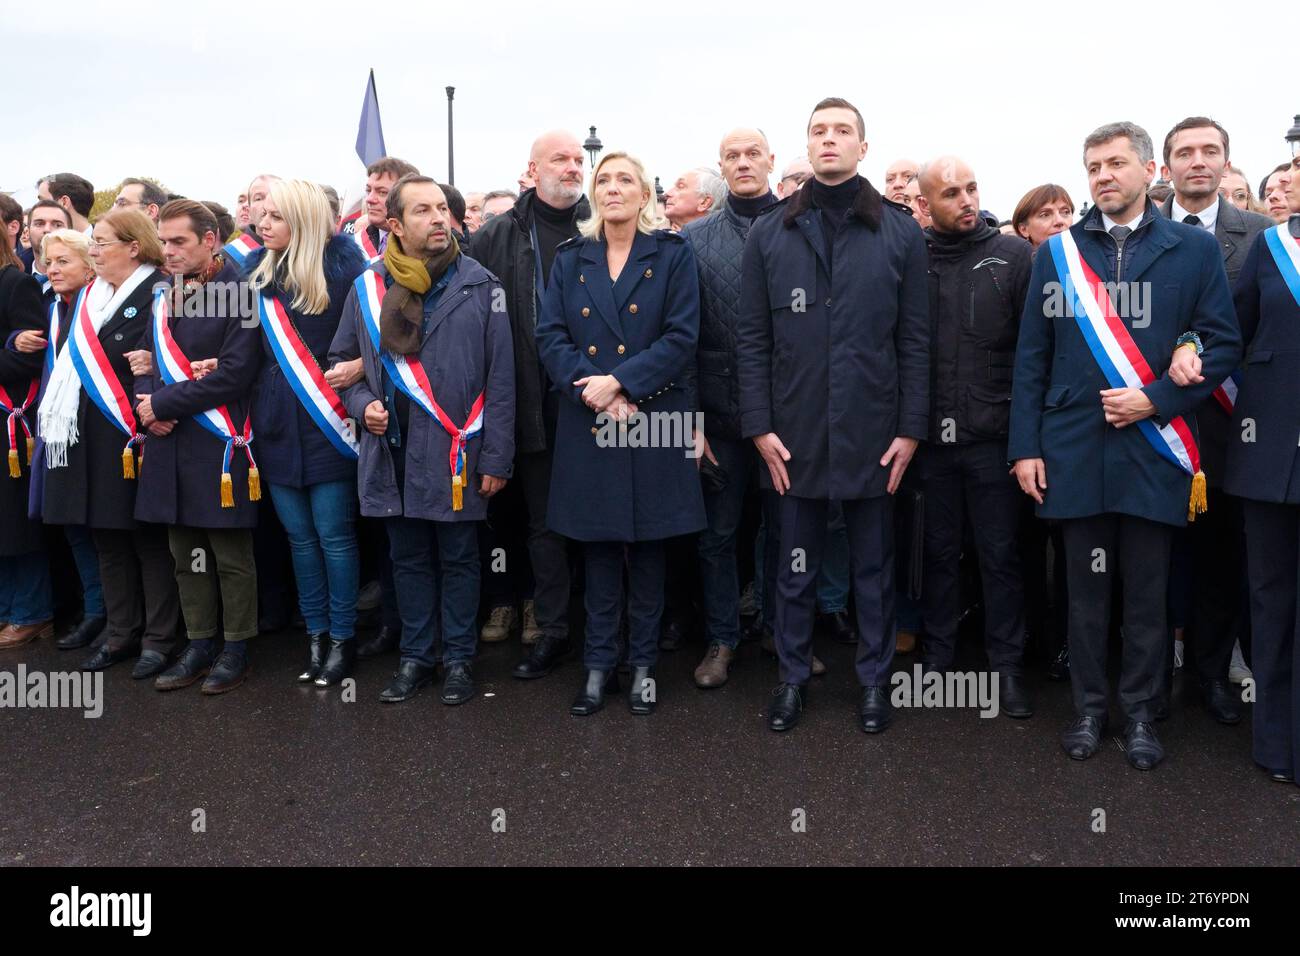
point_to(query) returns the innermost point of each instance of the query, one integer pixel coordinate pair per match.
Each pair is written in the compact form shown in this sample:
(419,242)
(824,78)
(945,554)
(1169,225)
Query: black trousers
(802,523)
(604,561)
(140,595)
(1096,549)
(971,480)
(1217,548)
(547,551)
(1273,556)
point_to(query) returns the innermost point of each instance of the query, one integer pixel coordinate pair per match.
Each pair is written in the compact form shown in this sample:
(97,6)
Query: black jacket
(978,285)
(504,246)
(20,310)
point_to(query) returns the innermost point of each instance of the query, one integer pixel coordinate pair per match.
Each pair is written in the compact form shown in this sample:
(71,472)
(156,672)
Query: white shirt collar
(1132,223)
(1208,216)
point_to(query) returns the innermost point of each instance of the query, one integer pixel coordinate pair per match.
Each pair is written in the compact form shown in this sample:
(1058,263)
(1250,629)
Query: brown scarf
(401,316)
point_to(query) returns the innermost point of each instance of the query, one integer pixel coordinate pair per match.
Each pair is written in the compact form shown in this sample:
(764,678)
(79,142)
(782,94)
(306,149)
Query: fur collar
(868,205)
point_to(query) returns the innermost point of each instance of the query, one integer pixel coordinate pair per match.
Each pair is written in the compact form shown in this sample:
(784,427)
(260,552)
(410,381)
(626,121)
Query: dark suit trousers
(1096,548)
(547,551)
(1217,551)
(140,596)
(802,523)
(1273,555)
(960,481)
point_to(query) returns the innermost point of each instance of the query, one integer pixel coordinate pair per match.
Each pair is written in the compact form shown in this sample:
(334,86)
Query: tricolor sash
(408,374)
(17,418)
(1286,254)
(1226,394)
(1120,360)
(362,238)
(52,339)
(99,381)
(240,248)
(173,366)
(306,379)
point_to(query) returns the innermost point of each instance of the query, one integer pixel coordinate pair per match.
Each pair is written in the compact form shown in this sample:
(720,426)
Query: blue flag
(370,132)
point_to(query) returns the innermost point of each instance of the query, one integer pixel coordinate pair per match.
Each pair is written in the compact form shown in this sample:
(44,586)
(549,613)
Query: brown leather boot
(713,670)
(16,635)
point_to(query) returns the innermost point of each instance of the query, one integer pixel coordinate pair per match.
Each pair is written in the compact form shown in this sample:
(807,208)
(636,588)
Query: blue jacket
(1267,466)
(641,329)
(1056,412)
(466,350)
(291,449)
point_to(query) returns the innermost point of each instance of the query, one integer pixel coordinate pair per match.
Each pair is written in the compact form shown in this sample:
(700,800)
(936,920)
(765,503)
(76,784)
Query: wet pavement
(292,775)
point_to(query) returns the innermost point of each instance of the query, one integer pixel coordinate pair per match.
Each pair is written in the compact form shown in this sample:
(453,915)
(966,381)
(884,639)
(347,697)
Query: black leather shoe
(1279,774)
(317,644)
(644,691)
(150,664)
(338,662)
(875,711)
(592,696)
(1142,746)
(103,658)
(229,671)
(1059,669)
(1082,738)
(458,685)
(839,626)
(83,635)
(410,677)
(192,665)
(543,657)
(673,636)
(1013,696)
(1222,700)
(385,640)
(786,708)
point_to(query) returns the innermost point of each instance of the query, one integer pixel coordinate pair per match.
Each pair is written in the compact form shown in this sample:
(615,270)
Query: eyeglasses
(799,178)
(121,203)
(101,243)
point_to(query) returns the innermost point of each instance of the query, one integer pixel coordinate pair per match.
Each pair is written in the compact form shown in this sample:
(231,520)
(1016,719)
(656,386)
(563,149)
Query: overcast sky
(202,99)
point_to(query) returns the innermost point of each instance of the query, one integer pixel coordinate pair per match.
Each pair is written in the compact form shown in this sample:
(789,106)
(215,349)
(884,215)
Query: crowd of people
(737,413)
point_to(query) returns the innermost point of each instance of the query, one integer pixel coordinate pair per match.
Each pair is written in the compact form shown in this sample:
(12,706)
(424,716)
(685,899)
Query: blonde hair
(76,241)
(646,220)
(131,225)
(300,266)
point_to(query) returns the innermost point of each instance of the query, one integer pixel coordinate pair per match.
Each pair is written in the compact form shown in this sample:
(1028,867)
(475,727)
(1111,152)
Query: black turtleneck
(554,226)
(750,206)
(834,203)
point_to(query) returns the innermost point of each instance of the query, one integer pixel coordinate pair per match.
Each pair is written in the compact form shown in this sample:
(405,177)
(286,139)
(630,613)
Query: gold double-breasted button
(591,350)
(632,308)
(585,311)
(593,429)
(649,273)
(621,350)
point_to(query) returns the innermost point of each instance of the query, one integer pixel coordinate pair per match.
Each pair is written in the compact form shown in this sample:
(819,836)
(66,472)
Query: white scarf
(57,420)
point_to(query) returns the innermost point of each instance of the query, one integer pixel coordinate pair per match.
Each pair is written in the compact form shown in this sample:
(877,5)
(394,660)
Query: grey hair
(499,194)
(1135,134)
(709,183)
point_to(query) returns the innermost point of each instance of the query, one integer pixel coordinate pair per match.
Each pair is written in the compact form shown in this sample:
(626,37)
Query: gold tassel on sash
(458,490)
(254,484)
(1199,502)
(128,462)
(227,491)
(14,470)
(31,446)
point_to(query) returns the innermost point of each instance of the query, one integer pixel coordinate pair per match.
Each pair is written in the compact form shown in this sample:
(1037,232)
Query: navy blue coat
(20,310)
(643,330)
(1056,412)
(1268,396)
(466,349)
(837,366)
(180,475)
(291,449)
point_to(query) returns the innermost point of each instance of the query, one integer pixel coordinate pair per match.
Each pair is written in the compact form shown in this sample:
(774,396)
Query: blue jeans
(26,596)
(717,543)
(320,521)
(436,562)
(87,560)
(605,562)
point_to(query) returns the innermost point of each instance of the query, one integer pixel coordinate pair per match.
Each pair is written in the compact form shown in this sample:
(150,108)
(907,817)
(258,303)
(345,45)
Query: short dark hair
(1193,122)
(395,206)
(1036,199)
(80,193)
(838,102)
(151,194)
(200,216)
(1159,192)
(48,204)
(225,221)
(455,202)
(392,166)
(1138,139)
(1263,183)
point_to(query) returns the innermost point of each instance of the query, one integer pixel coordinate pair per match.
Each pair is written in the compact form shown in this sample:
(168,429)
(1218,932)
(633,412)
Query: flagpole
(451,152)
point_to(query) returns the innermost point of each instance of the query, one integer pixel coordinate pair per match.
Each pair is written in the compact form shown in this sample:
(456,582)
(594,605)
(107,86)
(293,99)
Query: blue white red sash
(362,238)
(1286,254)
(17,418)
(100,382)
(1226,394)
(52,340)
(173,366)
(241,247)
(408,374)
(1120,360)
(306,379)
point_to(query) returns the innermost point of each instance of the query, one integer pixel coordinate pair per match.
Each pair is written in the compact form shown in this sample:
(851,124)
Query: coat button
(632,308)
(581,277)
(621,350)
(585,311)
(593,429)
(828,301)
(591,350)
(649,273)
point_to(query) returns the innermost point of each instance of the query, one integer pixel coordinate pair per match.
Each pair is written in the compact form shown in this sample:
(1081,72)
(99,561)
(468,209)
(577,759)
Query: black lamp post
(593,146)
(659,191)
(1293,137)
(451,153)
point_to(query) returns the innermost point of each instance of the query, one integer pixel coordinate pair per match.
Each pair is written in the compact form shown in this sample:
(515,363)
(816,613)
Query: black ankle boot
(643,694)
(338,664)
(317,661)
(592,696)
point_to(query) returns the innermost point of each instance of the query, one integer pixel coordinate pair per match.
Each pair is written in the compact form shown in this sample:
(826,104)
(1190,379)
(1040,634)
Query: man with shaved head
(518,247)
(897,176)
(978,282)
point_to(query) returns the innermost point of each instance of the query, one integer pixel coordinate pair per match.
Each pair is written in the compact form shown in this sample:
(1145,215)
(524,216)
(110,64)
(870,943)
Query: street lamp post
(593,146)
(1293,137)
(451,151)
